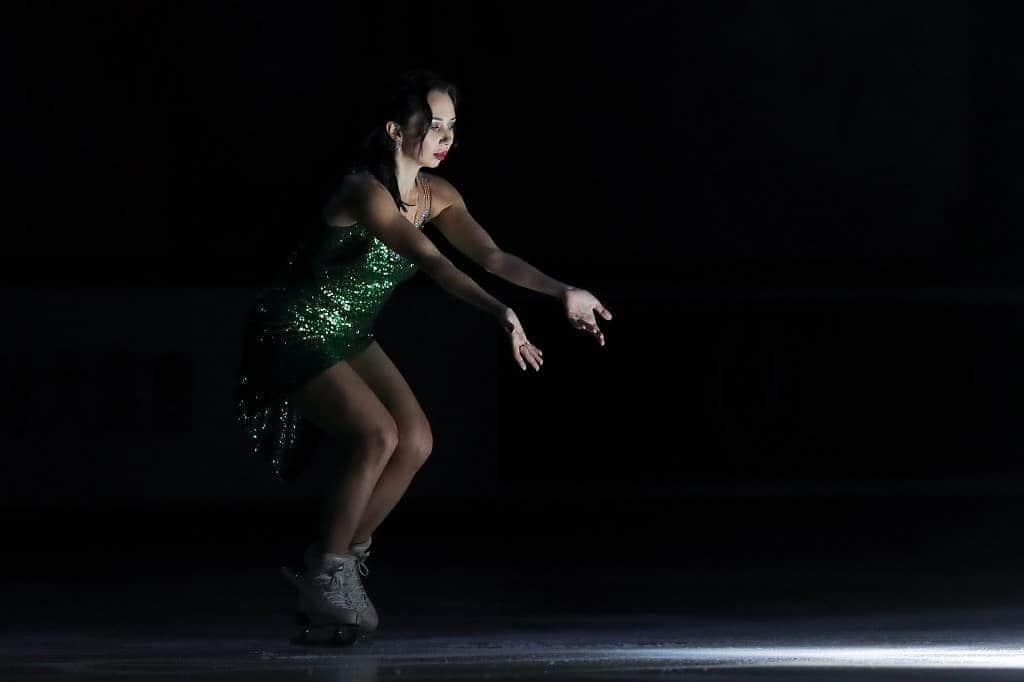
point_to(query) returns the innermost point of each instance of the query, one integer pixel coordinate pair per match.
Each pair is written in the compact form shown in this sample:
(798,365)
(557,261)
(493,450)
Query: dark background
(798,213)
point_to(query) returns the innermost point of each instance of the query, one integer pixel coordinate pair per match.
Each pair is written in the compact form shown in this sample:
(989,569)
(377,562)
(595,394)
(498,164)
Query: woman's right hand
(522,350)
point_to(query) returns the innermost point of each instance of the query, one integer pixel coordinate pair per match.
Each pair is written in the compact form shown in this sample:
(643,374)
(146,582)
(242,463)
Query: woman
(311,357)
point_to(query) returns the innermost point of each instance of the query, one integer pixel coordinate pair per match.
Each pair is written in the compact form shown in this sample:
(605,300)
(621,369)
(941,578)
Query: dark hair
(405,96)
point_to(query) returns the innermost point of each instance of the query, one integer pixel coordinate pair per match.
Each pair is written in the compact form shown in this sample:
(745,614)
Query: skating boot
(369,614)
(369,620)
(328,598)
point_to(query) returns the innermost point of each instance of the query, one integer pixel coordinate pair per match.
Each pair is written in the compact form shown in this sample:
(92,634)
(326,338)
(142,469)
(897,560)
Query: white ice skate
(368,613)
(327,598)
(368,617)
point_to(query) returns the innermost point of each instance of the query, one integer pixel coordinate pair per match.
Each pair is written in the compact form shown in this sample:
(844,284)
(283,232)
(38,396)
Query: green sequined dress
(319,308)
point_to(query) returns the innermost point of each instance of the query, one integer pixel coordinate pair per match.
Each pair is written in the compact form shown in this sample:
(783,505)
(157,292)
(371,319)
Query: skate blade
(340,637)
(324,634)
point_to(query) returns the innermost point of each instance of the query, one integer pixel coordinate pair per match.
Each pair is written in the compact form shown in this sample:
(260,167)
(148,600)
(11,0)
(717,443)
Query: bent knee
(375,444)
(416,444)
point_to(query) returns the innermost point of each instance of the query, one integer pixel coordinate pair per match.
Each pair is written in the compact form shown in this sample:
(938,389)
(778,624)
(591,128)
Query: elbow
(489,261)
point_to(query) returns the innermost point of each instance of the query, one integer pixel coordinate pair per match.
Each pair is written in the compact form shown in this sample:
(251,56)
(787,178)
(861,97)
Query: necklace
(425,193)
(425,186)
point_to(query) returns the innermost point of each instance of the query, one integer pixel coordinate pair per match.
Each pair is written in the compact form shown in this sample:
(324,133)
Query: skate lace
(361,563)
(356,593)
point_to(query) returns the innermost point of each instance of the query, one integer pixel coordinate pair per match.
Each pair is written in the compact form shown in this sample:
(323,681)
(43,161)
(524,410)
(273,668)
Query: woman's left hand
(580,305)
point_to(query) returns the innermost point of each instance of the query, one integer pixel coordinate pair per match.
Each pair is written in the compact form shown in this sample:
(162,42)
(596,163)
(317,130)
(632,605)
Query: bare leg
(339,401)
(346,503)
(415,440)
(391,485)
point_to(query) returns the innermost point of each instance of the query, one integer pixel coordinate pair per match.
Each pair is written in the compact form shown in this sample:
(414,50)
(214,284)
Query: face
(441,133)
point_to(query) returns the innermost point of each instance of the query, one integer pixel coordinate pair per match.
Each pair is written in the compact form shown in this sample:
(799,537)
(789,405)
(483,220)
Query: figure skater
(311,365)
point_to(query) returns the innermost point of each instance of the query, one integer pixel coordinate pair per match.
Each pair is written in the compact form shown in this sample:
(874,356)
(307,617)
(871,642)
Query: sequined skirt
(276,360)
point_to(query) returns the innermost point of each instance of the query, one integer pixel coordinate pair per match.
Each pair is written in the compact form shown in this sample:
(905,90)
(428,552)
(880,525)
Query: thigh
(384,379)
(338,401)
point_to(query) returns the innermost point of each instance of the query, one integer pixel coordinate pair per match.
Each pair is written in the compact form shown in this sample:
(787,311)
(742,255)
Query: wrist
(564,291)
(506,319)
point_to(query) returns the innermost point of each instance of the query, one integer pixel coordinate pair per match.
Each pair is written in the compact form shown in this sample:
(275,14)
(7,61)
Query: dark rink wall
(696,391)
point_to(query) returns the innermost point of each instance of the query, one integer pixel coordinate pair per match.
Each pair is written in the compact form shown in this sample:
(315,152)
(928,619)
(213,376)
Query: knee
(415,445)
(375,445)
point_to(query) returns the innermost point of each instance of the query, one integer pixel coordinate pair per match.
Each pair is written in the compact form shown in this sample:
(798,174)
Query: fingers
(527,353)
(605,313)
(592,328)
(534,356)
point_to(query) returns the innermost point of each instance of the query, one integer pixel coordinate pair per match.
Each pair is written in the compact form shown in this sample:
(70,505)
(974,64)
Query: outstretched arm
(512,268)
(376,209)
(463,231)
(580,305)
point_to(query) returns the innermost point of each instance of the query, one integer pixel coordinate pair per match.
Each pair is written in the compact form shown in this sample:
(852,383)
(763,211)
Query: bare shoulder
(442,194)
(356,191)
